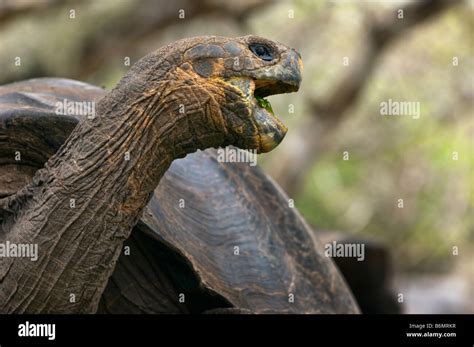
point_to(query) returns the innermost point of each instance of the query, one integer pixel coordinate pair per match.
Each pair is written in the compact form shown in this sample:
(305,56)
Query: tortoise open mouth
(271,130)
(256,86)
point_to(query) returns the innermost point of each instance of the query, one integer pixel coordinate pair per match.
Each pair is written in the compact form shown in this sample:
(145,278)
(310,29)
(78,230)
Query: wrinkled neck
(84,203)
(120,154)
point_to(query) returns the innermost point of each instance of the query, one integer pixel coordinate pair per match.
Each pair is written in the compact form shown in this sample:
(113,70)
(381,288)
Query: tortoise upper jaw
(282,78)
(264,88)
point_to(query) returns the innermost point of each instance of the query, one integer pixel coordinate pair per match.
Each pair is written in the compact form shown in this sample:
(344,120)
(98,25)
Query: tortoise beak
(282,78)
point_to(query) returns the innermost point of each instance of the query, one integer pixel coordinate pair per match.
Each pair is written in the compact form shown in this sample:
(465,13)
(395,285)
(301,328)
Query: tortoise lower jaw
(271,130)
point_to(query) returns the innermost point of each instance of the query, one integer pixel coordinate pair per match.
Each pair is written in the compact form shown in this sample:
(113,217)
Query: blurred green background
(423,56)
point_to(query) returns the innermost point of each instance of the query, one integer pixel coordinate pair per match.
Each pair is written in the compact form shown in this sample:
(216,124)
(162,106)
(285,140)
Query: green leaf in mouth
(263,103)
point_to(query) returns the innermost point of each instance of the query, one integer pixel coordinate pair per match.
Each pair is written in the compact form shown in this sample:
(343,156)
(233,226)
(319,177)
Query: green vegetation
(264,104)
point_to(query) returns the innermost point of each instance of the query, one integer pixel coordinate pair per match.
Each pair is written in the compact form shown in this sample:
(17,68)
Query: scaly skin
(193,94)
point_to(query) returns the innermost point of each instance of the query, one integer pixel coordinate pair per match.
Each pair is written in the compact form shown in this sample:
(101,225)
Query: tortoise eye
(261,51)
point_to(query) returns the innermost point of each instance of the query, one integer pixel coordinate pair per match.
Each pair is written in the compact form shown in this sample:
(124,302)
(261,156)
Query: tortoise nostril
(297,53)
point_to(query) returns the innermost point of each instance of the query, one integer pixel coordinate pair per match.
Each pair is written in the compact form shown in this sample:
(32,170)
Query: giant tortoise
(211,237)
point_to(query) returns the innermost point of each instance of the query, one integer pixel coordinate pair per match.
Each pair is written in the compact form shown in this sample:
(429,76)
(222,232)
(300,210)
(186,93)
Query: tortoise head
(239,73)
(212,90)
